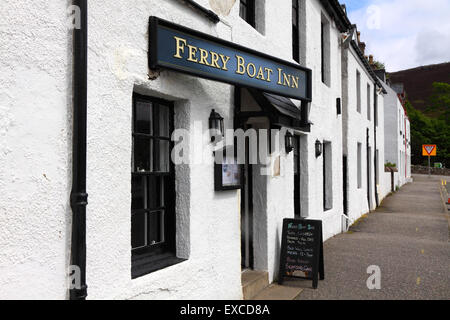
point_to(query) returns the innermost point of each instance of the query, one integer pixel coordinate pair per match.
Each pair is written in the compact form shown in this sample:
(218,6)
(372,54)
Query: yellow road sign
(429,150)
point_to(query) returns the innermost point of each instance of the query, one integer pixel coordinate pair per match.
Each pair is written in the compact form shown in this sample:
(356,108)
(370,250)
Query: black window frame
(325,50)
(358,91)
(322,50)
(369,101)
(295,31)
(376,108)
(359,156)
(153,257)
(247,11)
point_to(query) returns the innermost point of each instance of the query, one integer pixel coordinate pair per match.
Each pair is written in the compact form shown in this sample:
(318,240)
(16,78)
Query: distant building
(363,131)
(397,132)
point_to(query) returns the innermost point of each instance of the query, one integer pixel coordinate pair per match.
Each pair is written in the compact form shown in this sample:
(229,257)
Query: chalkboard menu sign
(302,251)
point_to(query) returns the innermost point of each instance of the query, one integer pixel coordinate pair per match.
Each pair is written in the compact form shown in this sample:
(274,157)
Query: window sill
(326,84)
(146,264)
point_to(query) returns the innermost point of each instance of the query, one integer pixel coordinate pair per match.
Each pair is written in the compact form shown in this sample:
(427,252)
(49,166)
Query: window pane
(155,227)
(294,13)
(251,13)
(243,11)
(359,164)
(143,119)
(161,163)
(138,193)
(322,51)
(138,230)
(369,111)
(247,11)
(296,154)
(164,130)
(143,148)
(358,91)
(155,192)
(295,44)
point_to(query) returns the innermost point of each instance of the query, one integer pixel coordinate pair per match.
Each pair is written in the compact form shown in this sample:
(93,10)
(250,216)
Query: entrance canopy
(282,111)
(279,110)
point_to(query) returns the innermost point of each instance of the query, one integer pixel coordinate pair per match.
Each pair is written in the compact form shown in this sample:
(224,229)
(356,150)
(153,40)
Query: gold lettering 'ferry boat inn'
(219,61)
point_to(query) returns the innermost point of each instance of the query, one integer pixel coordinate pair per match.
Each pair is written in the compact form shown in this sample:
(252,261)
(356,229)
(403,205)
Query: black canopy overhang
(281,111)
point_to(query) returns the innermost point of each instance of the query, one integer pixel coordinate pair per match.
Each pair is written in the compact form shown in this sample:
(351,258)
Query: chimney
(362,47)
(371,60)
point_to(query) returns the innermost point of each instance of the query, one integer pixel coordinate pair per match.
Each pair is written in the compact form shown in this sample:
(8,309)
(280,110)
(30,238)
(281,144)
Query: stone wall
(434,171)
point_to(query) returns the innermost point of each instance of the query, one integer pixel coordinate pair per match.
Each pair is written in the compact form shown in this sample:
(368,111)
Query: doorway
(297,178)
(247,251)
(345,184)
(369,177)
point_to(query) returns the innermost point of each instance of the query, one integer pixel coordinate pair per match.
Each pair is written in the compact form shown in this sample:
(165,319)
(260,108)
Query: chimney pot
(362,47)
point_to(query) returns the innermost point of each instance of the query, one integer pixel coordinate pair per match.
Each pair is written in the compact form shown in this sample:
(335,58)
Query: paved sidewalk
(407,237)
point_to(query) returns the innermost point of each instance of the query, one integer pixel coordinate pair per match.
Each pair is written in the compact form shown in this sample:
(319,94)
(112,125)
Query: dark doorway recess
(297,177)
(368,168)
(345,184)
(247,250)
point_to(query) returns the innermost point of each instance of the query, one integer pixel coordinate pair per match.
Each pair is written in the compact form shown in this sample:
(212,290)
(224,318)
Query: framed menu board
(302,251)
(227,173)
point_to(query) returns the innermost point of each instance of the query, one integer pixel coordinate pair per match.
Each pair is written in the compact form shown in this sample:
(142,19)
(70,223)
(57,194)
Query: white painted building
(198,239)
(363,113)
(397,134)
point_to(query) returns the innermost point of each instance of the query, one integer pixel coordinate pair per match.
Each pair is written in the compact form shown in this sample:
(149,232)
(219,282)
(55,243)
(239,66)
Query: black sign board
(185,50)
(302,251)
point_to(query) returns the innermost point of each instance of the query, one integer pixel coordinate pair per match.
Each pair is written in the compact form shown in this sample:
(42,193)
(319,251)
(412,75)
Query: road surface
(407,237)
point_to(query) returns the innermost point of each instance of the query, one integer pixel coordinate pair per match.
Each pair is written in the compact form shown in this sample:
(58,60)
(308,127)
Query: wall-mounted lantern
(216,125)
(289,142)
(319,146)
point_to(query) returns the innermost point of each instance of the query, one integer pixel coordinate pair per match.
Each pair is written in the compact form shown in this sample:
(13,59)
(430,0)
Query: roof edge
(368,67)
(334,9)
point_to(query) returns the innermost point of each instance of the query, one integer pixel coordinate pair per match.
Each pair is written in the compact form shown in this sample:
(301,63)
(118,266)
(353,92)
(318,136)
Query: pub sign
(185,50)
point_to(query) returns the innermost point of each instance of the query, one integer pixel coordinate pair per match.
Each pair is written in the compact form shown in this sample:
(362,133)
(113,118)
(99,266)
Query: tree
(379,65)
(427,130)
(439,101)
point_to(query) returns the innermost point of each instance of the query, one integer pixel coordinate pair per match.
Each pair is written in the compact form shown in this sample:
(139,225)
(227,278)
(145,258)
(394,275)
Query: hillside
(418,83)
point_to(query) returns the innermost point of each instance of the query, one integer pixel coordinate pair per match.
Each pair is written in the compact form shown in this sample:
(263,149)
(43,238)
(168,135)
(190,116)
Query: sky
(403,34)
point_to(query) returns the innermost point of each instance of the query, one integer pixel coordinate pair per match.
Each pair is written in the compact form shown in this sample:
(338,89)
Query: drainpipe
(375,109)
(78,196)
